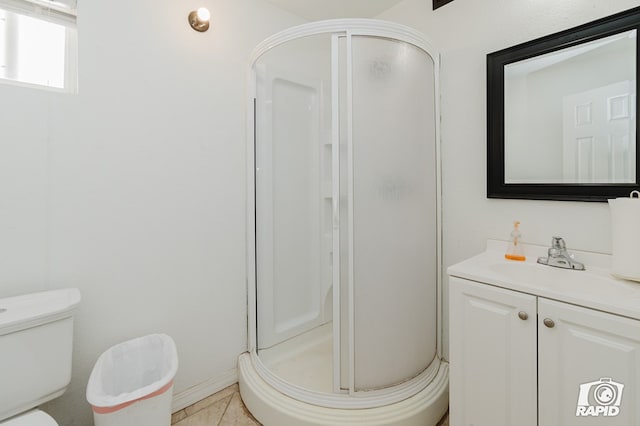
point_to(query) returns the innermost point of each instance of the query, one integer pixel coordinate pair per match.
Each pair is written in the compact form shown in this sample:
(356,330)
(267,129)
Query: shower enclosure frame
(438,368)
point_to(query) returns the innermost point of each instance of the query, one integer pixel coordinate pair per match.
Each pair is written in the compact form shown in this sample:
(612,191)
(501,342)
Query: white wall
(134,190)
(465,31)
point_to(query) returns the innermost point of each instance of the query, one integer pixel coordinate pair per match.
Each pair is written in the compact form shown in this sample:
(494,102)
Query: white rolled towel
(625,236)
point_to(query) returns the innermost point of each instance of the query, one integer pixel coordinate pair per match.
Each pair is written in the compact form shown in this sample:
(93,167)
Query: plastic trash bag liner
(133,370)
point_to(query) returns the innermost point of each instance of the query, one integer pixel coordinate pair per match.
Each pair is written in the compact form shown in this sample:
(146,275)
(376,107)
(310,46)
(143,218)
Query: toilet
(36,337)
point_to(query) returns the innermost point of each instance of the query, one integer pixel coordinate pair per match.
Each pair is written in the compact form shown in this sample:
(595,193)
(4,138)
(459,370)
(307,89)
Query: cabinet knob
(549,322)
(523,315)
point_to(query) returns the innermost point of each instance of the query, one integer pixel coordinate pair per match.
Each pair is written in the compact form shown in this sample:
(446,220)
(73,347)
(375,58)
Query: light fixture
(199,19)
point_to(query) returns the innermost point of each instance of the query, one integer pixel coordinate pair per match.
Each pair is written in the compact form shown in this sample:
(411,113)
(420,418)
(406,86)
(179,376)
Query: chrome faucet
(560,257)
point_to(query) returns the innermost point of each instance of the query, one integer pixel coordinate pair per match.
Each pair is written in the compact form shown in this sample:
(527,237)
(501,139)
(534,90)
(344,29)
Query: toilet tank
(36,337)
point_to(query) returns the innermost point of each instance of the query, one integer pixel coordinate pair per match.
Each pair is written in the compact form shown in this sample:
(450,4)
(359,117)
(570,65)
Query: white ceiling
(315,10)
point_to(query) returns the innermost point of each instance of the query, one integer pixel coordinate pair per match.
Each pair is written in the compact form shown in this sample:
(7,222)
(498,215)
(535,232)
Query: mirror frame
(440,3)
(496,61)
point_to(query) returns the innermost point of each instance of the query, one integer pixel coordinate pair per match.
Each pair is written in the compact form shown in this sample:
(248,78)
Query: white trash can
(132,383)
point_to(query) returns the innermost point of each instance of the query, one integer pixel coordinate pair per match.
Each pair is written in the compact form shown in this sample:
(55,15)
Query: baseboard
(202,390)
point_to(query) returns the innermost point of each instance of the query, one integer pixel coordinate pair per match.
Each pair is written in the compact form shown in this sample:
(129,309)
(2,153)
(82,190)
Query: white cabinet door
(493,356)
(588,363)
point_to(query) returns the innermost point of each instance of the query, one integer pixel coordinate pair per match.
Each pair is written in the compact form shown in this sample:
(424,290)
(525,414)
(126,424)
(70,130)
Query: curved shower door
(345,211)
(394,227)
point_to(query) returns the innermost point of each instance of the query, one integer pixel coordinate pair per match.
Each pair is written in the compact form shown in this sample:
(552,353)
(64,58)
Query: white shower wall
(293,189)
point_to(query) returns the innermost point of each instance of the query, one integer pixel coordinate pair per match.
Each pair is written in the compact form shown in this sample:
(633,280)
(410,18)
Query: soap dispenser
(515,250)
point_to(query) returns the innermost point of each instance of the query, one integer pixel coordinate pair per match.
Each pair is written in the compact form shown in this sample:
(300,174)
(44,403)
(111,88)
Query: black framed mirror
(562,113)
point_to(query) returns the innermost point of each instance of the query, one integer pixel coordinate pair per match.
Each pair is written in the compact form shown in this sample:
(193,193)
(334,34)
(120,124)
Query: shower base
(273,408)
(305,360)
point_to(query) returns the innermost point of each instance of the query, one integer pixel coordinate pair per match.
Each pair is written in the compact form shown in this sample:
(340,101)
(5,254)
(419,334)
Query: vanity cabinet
(520,359)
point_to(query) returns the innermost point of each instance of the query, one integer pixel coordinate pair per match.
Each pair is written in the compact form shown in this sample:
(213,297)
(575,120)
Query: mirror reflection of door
(598,134)
(570,114)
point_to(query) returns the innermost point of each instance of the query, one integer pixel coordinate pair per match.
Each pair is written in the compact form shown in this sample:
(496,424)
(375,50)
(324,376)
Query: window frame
(46,11)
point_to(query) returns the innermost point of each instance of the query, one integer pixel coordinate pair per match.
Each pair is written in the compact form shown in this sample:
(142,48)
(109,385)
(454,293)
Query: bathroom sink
(545,275)
(594,287)
(590,280)
(529,272)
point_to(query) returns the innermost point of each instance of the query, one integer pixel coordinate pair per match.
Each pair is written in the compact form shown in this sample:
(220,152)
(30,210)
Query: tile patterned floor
(225,408)
(444,421)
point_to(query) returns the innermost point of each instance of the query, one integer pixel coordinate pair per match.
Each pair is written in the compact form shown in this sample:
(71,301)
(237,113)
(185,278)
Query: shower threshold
(273,408)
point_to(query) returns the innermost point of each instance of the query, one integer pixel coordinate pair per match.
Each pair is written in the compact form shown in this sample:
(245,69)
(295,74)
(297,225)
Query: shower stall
(344,275)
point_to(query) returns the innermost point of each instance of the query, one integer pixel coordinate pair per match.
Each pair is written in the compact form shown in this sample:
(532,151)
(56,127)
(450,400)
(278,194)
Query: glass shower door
(394,253)
(294,205)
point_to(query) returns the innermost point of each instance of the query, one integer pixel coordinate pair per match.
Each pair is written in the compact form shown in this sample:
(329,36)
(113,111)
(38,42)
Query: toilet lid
(31,418)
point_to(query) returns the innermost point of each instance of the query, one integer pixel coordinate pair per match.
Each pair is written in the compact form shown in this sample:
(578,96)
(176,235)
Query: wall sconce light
(199,19)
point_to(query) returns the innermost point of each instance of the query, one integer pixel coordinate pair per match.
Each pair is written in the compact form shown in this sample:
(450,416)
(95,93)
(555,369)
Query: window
(38,43)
